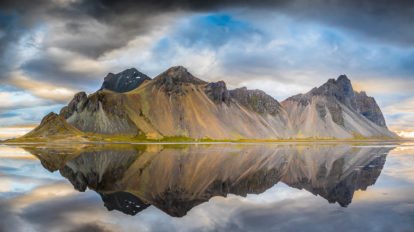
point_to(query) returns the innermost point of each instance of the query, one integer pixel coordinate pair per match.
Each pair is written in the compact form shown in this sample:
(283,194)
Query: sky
(51,49)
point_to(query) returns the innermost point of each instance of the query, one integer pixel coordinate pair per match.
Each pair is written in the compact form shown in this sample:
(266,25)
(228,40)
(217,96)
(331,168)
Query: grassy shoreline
(93,139)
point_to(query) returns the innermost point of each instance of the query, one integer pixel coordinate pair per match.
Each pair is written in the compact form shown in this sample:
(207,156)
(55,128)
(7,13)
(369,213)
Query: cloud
(26,101)
(89,227)
(10,221)
(28,115)
(41,89)
(16,100)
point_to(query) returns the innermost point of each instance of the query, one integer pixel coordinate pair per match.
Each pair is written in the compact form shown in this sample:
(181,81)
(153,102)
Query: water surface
(201,187)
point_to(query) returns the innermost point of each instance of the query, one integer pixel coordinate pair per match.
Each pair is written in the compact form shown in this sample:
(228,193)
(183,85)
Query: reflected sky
(266,188)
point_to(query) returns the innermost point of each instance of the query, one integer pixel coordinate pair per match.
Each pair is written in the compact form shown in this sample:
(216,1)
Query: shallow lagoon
(208,187)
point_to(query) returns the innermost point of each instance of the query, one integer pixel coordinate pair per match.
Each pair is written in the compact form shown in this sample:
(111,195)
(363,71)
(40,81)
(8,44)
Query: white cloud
(19,99)
(41,89)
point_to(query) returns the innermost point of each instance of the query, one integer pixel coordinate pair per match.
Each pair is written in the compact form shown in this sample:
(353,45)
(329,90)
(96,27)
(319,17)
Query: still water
(216,187)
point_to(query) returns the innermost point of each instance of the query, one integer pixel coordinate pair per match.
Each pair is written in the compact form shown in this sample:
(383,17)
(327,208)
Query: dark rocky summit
(124,202)
(174,78)
(124,81)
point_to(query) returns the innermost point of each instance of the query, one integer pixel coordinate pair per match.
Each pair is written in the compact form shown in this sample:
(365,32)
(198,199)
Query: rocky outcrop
(217,92)
(124,81)
(75,105)
(256,100)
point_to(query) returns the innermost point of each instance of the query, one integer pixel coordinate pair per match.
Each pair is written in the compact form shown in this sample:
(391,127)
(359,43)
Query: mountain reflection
(176,178)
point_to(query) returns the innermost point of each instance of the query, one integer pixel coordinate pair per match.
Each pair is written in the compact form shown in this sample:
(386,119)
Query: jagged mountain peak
(124,81)
(173,79)
(340,88)
(336,104)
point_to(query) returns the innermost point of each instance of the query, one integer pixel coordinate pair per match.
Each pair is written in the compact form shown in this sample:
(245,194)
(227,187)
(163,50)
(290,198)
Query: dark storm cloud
(50,68)
(383,20)
(391,20)
(92,28)
(53,214)
(89,228)
(9,221)
(122,21)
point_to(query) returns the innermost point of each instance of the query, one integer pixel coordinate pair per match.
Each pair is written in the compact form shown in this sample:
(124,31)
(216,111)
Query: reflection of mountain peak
(176,179)
(340,188)
(124,202)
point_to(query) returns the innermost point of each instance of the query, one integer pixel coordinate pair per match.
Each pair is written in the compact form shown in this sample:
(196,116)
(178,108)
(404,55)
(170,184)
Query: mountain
(176,179)
(335,110)
(175,104)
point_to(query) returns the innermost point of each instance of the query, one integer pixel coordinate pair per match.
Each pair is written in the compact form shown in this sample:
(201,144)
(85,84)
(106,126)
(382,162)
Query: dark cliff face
(100,112)
(340,88)
(99,170)
(256,100)
(217,92)
(368,107)
(76,104)
(124,81)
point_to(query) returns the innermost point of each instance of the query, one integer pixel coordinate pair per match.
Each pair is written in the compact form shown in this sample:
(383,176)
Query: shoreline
(299,141)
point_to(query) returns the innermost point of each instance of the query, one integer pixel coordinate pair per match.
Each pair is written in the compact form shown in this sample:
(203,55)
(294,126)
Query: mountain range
(177,105)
